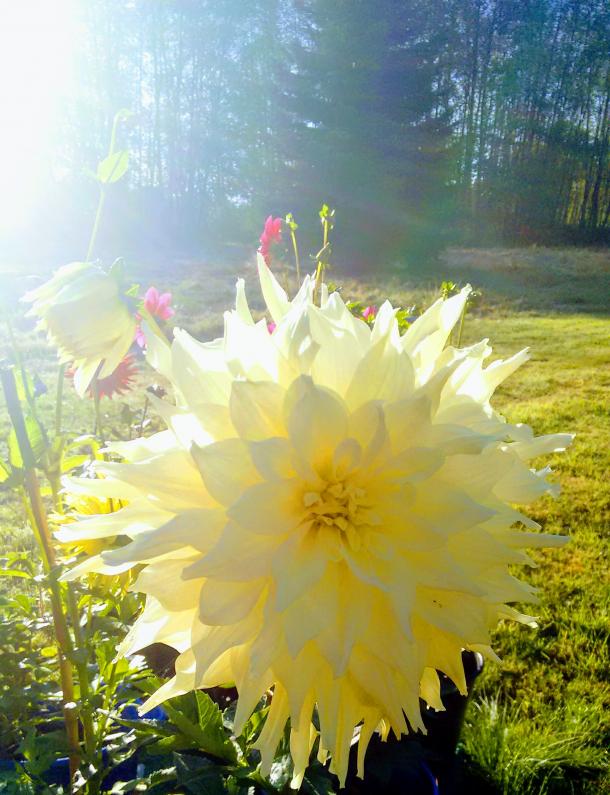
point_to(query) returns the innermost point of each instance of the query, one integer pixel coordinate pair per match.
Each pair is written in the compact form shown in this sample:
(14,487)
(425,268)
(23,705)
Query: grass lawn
(539,723)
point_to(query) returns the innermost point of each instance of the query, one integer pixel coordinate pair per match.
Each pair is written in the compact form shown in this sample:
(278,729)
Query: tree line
(424,122)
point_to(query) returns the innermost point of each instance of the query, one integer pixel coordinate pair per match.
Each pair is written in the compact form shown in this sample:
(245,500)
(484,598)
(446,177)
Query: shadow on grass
(533,279)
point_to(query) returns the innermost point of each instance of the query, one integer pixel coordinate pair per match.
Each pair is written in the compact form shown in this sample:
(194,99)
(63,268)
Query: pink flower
(369,312)
(140,337)
(271,327)
(158,304)
(272,233)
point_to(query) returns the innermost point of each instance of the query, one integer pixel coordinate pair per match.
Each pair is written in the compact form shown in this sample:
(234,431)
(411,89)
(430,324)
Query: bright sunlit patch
(36,49)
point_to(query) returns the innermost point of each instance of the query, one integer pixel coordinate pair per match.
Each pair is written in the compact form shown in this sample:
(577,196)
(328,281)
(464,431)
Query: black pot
(419,764)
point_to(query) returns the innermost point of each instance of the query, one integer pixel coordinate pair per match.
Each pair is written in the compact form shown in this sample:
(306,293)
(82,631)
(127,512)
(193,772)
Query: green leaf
(113,167)
(214,736)
(25,388)
(74,461)
(318,781)
(167,745)
(198,775)
(15,573)
(37,443)
(5,471)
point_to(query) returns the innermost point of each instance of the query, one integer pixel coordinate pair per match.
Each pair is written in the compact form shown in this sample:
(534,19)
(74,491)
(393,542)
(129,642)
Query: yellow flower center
(340,514)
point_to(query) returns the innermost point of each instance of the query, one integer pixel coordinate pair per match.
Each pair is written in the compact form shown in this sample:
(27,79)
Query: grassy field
(539,723)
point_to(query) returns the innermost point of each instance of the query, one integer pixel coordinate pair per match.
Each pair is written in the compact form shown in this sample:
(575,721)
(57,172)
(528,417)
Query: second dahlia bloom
(329,515)
(86,318)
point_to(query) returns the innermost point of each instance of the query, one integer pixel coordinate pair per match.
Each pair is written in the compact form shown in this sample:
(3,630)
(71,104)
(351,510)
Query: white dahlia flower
(86,318)
(329,514)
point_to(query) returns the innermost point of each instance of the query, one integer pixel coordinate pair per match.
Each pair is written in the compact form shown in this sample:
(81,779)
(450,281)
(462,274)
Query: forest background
(425,123)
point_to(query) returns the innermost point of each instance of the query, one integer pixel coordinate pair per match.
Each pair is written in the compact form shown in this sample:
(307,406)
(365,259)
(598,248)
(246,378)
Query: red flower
(271,327)
(117,383)
(272,233)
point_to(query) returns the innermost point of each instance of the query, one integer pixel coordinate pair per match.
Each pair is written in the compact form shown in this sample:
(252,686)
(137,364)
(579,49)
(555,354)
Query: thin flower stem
(296,257)
(143,417)
(59,398)
(102,199)
(55,475)
(96,224)
(99,427)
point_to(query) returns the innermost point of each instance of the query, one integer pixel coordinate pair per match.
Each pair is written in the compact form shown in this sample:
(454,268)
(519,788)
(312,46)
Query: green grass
(538,723)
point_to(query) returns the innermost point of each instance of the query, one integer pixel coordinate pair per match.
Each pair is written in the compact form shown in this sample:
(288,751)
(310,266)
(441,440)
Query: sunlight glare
(36,38)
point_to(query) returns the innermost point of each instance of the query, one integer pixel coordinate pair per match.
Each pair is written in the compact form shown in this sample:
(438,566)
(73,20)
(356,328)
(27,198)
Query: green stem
(143,417)
(99,427)
(102,199)
(96,224)
(109,693)
(83,677)
(59,398)
(296,257)
(54,473)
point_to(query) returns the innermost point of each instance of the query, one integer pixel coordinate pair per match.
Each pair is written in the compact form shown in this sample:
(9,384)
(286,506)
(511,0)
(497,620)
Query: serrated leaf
(155,728)
(113,167)
(214,736)
(198,775)
(167,745)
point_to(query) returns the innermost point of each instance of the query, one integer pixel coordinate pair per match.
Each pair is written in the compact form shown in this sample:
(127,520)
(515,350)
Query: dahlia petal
(162,581)
(241,303)
(226,469)
(271,734)
(171,480)
(136,518)
(199,370)
(385,372)
(237,555)
(430,689)
(158,351)
(317,423)
(256,409)
(542,445)
(268,508)
(299,563)
(274,295)
(224,603)
(273,458)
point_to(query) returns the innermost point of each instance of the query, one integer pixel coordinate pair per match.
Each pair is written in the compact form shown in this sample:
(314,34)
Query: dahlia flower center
(339,509)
